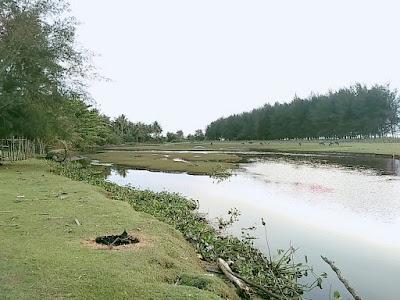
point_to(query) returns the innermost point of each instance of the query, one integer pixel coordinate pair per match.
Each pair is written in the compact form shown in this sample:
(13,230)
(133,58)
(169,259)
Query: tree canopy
(125,131)
(357,111)
(40,69)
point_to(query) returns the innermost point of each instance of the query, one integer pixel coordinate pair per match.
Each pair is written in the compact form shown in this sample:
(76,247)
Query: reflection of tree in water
(394,166)
(101,171)
(121,171)
(107,172)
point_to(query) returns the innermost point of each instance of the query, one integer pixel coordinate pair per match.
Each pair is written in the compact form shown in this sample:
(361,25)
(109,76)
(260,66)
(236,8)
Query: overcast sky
(186,63)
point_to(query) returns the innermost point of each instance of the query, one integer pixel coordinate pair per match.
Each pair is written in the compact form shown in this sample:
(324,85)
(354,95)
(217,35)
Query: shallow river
(337,207)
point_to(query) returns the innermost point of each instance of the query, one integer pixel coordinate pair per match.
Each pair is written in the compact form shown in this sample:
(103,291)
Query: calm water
(352,216)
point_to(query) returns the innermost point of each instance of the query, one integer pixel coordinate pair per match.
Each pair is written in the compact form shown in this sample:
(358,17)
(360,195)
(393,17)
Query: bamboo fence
(15,149)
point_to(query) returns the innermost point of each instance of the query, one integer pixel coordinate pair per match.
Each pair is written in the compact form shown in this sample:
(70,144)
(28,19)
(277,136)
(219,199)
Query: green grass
(373,146)
(193,163)
(278,275)
(44,254)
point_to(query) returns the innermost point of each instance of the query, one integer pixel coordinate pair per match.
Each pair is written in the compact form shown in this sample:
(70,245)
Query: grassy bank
(44,254)
(279,275)
(373,146)
(192,163)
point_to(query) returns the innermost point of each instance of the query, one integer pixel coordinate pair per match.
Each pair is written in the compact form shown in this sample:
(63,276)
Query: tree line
(43,78)
(43,94)
(353,112)
(42,75)
(125,131)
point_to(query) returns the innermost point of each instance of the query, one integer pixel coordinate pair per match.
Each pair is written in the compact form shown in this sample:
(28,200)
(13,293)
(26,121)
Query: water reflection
(379,164)
(356,192)
(121,171)
(353,217)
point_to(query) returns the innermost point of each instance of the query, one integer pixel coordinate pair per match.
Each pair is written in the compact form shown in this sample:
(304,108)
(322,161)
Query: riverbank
(277,274)
(48,223)
(208,158)
(322,207)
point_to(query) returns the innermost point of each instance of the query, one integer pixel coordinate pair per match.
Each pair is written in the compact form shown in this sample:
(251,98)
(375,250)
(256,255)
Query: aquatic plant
(220,173)
(279,276)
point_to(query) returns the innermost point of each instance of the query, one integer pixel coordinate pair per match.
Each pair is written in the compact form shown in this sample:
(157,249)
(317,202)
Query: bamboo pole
(12,149)
(19,151)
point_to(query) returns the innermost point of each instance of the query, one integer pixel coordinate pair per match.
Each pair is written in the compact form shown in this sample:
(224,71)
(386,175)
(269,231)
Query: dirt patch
(117,240)
(142,241)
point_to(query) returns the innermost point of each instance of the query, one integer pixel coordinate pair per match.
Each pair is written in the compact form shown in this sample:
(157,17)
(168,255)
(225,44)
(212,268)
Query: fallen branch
(264,290)
(113,243)
(341,278)
(242,283)
(213,269)
(223,265)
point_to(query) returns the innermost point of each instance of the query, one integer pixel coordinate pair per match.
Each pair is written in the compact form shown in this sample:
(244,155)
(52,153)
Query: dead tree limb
(341,278)
(223,265)
(242,283)
(262,290)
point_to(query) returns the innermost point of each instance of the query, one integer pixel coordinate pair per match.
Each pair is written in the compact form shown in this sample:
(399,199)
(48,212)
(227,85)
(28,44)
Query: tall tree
(199,135)
(39,67)
(156,129)
(179,135)
(121,124)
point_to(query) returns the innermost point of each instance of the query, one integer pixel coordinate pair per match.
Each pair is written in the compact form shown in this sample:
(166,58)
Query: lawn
(47,225)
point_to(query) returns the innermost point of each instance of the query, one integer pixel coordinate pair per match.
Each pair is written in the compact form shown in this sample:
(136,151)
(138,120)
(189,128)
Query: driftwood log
(262,289)
(341,278)
(242,283)
(243,287)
